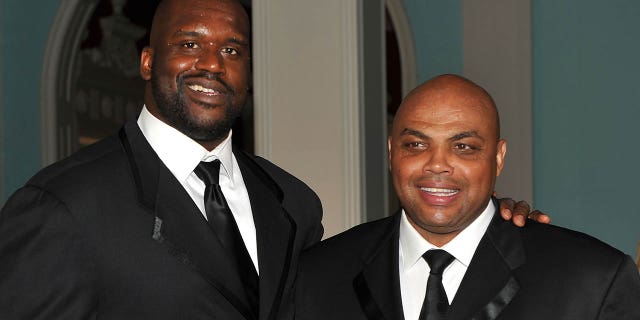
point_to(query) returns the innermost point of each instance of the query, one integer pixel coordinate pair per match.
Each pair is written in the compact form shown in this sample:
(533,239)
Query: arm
(45,267)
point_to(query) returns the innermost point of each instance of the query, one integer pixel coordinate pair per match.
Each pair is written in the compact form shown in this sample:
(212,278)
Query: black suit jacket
(536,272)
(109,233)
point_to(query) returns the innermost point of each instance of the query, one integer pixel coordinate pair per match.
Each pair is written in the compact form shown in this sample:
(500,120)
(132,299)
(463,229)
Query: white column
(308,100)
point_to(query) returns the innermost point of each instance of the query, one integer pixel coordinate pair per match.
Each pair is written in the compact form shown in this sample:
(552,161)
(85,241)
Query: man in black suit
(128,229)
(447,254)
(119,230)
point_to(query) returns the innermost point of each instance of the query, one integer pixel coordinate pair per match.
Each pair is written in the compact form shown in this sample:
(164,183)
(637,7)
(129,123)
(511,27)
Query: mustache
(209,76)
(436,178)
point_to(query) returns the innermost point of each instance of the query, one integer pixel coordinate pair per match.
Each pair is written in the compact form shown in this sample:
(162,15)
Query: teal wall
(586,107)
(437,31)
(24,37)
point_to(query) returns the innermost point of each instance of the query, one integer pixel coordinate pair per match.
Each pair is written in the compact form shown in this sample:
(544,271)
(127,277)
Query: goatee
(173,108)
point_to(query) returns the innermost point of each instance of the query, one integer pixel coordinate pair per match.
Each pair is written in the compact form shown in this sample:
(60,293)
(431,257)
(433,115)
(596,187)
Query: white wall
(308,99)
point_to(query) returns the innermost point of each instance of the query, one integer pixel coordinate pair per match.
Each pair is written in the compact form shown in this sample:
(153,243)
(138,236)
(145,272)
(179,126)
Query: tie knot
(438,260)
(208,172)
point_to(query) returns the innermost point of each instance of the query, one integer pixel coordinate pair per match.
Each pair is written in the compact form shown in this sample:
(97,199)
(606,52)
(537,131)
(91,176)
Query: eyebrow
(238,42)
(465,134)
(187,33)
(457,136)
(196,34)
(413,132)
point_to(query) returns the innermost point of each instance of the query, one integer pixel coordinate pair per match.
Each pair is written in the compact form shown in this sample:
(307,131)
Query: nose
(438,161)
(211,61)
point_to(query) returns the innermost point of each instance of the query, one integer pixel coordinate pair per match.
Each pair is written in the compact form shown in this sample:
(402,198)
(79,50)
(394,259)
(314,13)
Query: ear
(146,61)
(500,154)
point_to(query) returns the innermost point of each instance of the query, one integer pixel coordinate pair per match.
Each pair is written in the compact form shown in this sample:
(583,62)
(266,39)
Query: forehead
(206,15)
(444,113)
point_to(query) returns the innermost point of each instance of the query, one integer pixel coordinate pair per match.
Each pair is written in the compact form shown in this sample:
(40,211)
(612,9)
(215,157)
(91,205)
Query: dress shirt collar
(180,153)
(462,247)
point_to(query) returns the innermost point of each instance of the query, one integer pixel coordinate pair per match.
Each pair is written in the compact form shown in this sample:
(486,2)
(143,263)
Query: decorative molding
(406,44)
(352,125)
(57,71)
(373,111)
(261,83)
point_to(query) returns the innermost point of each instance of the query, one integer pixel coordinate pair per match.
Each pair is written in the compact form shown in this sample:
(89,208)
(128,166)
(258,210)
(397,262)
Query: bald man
(447,254)
(123,229)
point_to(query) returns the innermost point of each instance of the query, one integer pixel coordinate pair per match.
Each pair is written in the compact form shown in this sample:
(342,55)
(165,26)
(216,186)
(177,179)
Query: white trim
(62,46)
(261,84)
(406,44)
(352,125)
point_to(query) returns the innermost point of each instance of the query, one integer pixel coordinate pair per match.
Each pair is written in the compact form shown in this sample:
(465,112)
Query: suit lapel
(178,224)
(489,284)
(378,285)
(275,233)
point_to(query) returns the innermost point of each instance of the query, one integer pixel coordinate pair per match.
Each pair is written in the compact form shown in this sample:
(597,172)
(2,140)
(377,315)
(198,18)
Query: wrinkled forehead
(175,15)
(448,110)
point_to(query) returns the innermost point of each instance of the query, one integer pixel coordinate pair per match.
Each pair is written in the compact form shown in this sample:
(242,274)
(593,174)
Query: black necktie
(435,303)
(224,225)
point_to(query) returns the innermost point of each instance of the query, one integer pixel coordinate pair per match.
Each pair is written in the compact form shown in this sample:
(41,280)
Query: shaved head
(167,8)
(452,87)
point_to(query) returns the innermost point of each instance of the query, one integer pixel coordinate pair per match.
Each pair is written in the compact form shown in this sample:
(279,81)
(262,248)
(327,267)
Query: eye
(465,148)
(414,145)
(190,45)
(230,51)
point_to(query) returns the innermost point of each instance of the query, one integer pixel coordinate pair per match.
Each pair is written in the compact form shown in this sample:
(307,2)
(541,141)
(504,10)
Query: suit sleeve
(622,300)
(45,266)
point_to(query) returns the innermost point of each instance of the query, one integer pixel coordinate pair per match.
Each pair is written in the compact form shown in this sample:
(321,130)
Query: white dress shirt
(180,154)
(414,270)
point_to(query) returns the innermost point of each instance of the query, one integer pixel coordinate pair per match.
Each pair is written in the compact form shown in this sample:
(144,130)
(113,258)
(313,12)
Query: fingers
(509,211)
(521,208)
(539,216)
(520,213)
(519,220)
(506,205)
(516,211)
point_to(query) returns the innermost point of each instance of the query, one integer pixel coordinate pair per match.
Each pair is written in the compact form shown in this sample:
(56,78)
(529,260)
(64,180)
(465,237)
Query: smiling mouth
(440,192)
(199,88)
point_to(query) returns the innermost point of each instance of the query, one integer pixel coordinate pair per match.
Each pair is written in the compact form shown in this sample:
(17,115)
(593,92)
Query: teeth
(200,88)
(440,192)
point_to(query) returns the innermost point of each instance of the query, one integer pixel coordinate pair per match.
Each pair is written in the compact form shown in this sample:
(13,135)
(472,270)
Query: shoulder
(281,176)
(56,197)
(87,163)
(566,250)
(300,201)
(565,240)
(293,189)
(101,166)
(359,241)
